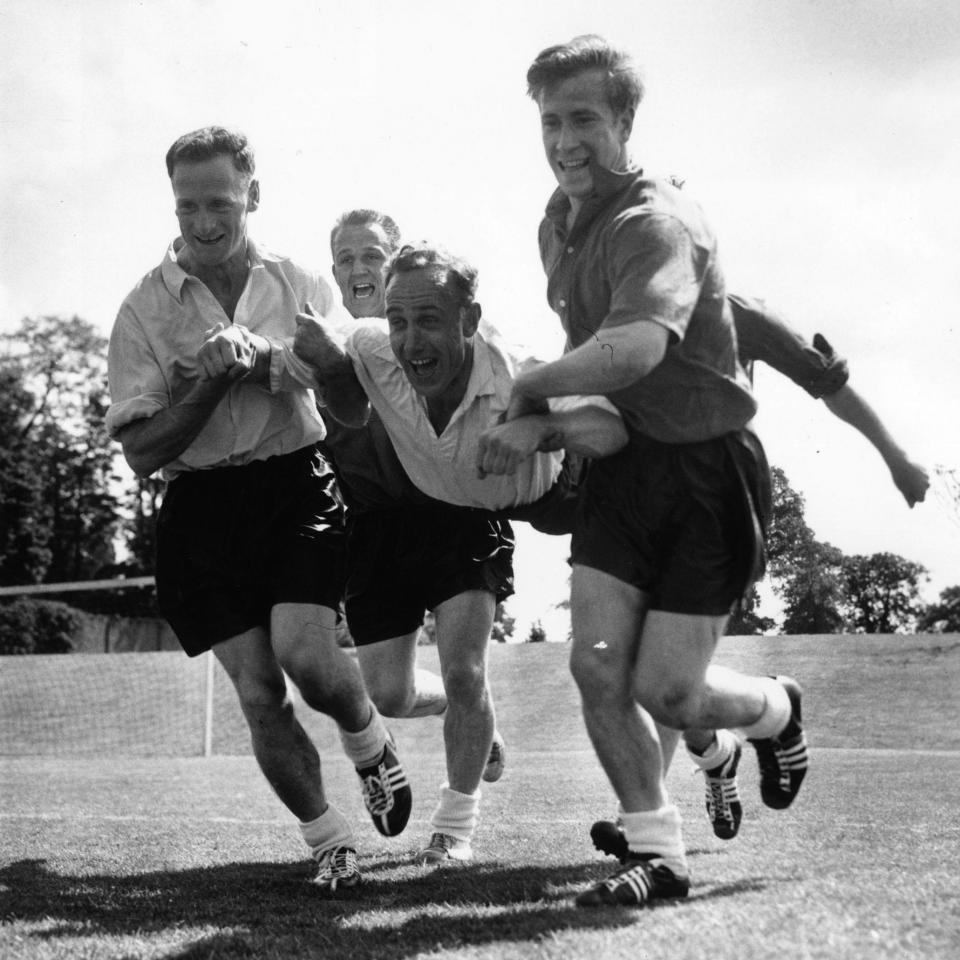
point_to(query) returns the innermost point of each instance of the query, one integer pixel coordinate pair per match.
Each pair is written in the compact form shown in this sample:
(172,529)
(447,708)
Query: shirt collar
(482,381)
(174,276)
(606,183)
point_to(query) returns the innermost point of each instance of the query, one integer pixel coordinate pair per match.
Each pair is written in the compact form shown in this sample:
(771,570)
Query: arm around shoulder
(611,359)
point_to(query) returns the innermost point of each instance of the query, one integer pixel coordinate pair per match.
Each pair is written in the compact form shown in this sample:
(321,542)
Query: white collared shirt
(152,360)
(444,466)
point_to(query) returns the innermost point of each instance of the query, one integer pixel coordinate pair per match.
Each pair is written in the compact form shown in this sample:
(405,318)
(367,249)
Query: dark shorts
(555,512)
(682,522)
(402,563)
(234,541)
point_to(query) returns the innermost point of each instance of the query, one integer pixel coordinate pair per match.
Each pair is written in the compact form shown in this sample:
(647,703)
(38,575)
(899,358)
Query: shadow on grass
(269,910)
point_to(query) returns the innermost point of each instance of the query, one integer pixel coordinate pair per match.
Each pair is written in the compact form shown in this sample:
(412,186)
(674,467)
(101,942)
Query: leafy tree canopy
(944,616)
(883,592)
(57,477)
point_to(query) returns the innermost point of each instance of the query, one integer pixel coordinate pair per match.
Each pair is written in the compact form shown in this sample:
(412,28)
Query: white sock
(331,829)
(724,743)
(365,747)
(776,712)
(657,831)
(457,814)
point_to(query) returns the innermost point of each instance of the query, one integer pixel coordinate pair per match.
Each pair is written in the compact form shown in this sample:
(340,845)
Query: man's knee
(672,703)
(465,683)
(261,693)
(310,657)
(302,664)
(599,675)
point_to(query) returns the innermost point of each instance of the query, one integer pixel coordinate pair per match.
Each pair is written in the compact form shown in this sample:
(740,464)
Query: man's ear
(253,196)
(470,319)
(625,122)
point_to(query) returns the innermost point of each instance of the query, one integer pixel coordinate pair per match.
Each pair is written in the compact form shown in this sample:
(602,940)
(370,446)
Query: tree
(789,539)
(37,626)
(503,625)
(813,593)
(54,371)
(803,570)
(942,617)
(537,633)
(140,530)
(24,542)
(746,621)
(882,592)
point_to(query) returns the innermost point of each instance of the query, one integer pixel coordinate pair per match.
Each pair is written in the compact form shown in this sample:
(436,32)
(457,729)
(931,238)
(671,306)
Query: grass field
(131,853)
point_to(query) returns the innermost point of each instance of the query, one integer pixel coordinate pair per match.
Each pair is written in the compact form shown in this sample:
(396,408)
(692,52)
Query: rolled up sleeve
(138,388)
(654,273)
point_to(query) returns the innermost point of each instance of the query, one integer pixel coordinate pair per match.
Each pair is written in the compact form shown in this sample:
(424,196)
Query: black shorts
(683,522)
(555,512)
(234,541)
(404,562)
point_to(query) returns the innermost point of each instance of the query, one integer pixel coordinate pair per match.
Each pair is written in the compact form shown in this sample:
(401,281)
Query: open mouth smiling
(362,291)
(567,165)
(422,368)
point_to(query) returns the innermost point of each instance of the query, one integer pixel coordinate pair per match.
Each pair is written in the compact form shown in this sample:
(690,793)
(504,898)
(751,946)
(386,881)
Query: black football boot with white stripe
(783,759)
(642,878)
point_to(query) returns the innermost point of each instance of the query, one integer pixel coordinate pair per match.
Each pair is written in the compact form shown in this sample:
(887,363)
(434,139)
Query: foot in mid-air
(386,791)
(497,759)
(783,759)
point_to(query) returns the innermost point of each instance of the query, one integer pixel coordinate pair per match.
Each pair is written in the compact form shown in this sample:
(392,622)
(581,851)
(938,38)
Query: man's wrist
(523,387)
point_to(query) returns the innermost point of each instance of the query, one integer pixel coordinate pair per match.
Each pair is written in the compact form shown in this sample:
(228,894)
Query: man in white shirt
(439,382)
(250,535)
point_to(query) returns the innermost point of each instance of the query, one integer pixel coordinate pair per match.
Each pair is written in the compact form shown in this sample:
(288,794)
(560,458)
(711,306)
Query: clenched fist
(317,343)
(227,352)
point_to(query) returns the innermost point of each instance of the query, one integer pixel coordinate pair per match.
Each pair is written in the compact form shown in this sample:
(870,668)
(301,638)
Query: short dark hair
(460,276)
(361,217)
(623,83)
(209,142)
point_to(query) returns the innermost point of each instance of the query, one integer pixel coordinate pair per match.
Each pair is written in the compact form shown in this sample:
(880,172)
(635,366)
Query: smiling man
(392,566)
(362,242)
(204,388)
(440,379)
(668,534)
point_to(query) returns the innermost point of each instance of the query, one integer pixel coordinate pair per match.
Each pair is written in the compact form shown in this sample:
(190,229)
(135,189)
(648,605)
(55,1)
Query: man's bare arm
(227,355)
(152,443)
(317,343)
(610,360)
(910,478)
(590,431)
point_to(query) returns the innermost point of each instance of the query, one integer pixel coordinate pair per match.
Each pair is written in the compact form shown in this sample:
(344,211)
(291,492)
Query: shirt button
(569,249)
(563,303)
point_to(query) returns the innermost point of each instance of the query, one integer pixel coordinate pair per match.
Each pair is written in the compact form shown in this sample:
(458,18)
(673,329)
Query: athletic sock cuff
(331,829)
(725,742)
(775,715)
(365,747)
(457,814)
(655,831)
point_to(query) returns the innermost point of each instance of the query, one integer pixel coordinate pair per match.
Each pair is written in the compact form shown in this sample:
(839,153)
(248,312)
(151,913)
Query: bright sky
(820,137)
